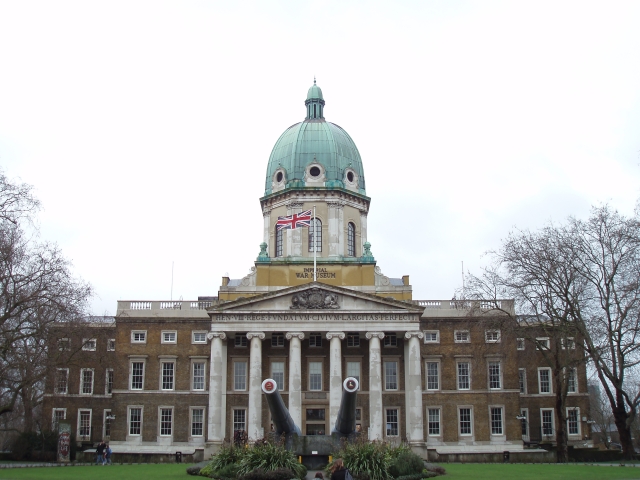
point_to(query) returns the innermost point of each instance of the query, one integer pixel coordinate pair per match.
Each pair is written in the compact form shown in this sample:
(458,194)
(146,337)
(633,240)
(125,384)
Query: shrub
(228,454)
(406,463)
(277,474)
(205,471)
(268,456)
(367,460)
(229,471)
(35,446)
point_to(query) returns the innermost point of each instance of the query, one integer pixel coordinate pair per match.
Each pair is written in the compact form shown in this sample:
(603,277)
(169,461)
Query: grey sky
(146,127)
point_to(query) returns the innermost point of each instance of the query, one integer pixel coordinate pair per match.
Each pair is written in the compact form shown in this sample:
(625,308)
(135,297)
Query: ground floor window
(464,415)
(434,421)
(135,420)
(547,422)
(573,421)
(84,423)
(239,420)
(107,423)
(496,421)
(166,421)
(197,422)
(315,421)
(392,422)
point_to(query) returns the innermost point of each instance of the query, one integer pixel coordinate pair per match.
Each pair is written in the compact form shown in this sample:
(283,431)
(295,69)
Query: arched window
(278,243)
(351,239)
(315,233)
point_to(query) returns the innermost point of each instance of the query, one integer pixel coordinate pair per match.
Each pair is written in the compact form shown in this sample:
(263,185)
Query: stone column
(376,413)
(266,215)
(336,229)
(363,230)
(217,367)
(413,388)
(254,420)
(335,374)
(295,376)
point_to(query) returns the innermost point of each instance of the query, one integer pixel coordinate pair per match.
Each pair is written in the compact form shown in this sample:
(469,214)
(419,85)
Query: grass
(169,471)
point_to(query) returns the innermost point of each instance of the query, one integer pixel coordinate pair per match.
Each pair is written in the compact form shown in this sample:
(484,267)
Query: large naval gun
(346,420)
(282,421)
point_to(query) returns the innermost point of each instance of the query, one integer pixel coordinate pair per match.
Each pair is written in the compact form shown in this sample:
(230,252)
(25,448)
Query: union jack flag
(302,219)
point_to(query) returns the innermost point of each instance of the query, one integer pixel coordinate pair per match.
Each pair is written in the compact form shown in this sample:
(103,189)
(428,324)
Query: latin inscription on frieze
(317,317)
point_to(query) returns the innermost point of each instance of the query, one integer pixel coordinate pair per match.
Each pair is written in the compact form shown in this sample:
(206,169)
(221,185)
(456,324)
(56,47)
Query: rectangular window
(433,376)
(573,421)
(544,380)
(315,414)
(89,344)
(492,336)
(572,381)
(520,343)
(353,370)
(277,373)
(111,345)
(522,379)
(109,382)
(277,339)
(166,421)
(315,376)
(198,376)
(107,423)
(86,381)
(464,377)
(64,344)
(542,343)
(431,336)
(239,375)
(391,375)
(392,422)
(496,420)
(168,375)
(135,420)
(524,423)
(495,381)
(199,337)
(547,422)
(315,340)
(84,423)
(197,422)
(461,336)
(353,339)
(137,375)
(569,343)
(240,340)
(464,415)
(59,414)
(434,421)
(62,381)
(139,336)
(390,340)
(239,420)
(169,337)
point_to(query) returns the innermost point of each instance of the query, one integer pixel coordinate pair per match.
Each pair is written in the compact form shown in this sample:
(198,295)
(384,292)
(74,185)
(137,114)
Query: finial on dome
(314,79)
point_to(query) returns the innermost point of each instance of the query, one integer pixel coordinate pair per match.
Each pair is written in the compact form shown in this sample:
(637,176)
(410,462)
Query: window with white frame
(198,375)
(169,336)
(522,380)
(353,370)
(59,415)
(277,339)
(390,340)
(64,344)
(572,380)
(353,339)
(391,375)
(240,340)
(135,420)
(431,336)
(84,423)
(492,336)
(495,376)
(137,375)
(315,376)
(198,337)
(465,421)
(240,375)
(544,381)
(106,423)
(89,344)
(542,343)
(62,381)
(496,420)
(108,389)
(461,336)
(166,421)
(277,373)
(239,420)
(573,421)
(197,422)
(546,418)
(524,423)
(433,375)
(86,381)
(464,375)
(111,345)
(568,343)
(168,375)
(392,422)
(139,336)
(520,343)
(433,419)
(315,340)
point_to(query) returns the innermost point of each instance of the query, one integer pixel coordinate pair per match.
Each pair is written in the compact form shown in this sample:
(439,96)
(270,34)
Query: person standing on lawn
(100,453)
(107,454)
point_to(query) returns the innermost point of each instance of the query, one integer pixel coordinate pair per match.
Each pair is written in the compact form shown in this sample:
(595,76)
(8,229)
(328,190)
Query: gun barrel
(346,420)
(282,421)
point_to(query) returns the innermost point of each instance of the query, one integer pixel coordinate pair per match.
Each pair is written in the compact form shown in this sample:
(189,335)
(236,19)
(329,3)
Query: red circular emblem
(269,386)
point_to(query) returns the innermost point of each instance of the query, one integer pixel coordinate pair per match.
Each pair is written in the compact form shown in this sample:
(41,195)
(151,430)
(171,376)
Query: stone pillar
(294,236)
(376,413)
(217,368)
(335,374)
(295,376)
(266,215)
(363,230)
(254,420)
(336,229)
(413,388)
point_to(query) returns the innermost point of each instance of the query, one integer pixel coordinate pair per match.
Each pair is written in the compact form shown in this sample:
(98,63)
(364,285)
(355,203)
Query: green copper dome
(315,153)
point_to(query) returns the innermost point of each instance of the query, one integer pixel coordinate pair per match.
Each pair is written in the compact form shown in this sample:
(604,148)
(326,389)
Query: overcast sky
(146,127)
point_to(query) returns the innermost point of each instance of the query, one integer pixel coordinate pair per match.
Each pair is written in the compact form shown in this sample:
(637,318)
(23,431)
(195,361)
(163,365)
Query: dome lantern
(314,102)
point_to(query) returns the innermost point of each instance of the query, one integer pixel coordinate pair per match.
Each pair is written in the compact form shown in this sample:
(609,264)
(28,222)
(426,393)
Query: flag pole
(315,244)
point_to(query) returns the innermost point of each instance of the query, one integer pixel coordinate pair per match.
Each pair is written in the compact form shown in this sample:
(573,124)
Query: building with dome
(314,309)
